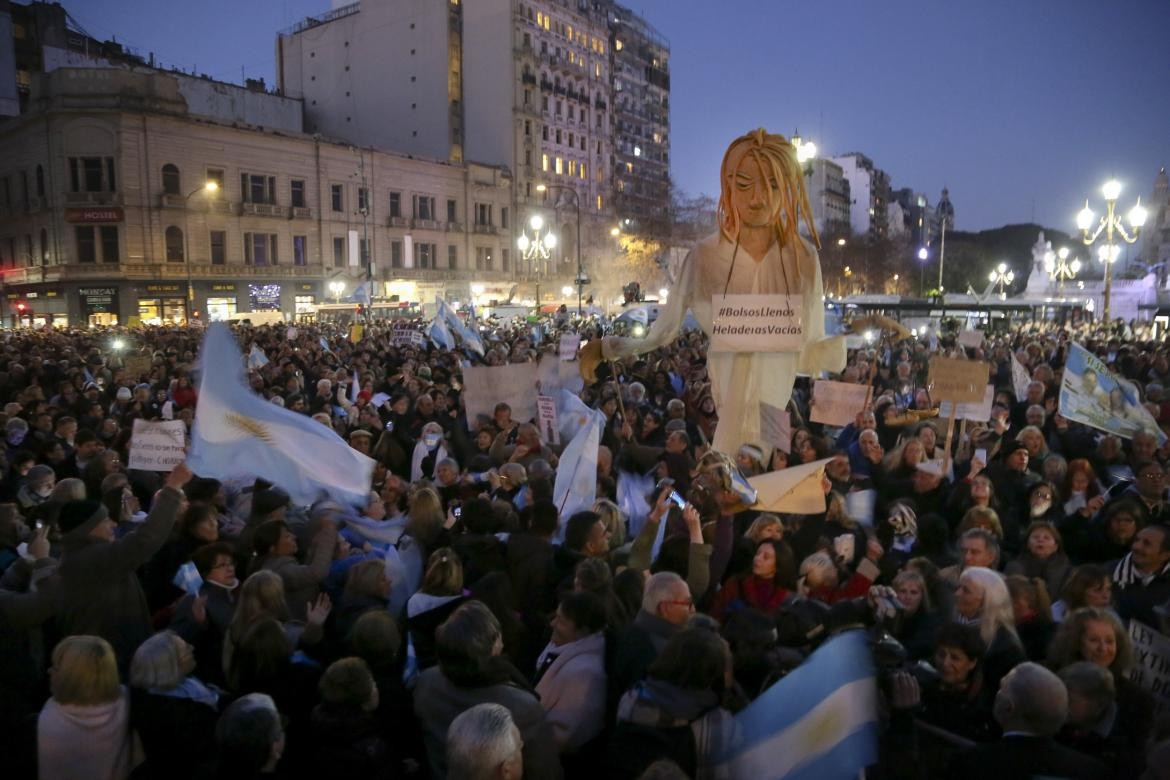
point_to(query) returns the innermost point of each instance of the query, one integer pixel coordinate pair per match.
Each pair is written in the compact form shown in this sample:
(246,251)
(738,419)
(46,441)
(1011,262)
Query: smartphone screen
(678,500)
(981,455)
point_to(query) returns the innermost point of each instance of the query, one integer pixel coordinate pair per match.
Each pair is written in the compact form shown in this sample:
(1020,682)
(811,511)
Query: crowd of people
(457,624)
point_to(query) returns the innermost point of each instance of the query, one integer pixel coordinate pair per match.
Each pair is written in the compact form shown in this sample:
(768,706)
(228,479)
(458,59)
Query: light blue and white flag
(818,723)
(325,345)
(187,579)
(575,487)
(471,339)
(361,293)
(639,315)
(237,432)
(632,490)
(441,334)
(573,415)
(257,358)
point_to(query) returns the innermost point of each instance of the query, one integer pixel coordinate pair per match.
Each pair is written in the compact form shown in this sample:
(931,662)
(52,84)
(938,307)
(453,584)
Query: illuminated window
(629,167)
(544,162)
(582,170)
(599,203)
(617,45)
(572,167)
(559,166)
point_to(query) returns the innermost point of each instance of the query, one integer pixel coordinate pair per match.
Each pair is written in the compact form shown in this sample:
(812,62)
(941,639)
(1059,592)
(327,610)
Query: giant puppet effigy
(754,287)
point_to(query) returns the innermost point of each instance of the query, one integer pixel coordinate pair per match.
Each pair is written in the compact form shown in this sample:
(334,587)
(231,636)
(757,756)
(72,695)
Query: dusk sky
(1021,107)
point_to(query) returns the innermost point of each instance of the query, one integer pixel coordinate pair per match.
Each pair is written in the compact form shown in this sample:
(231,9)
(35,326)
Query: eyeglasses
(1155,476)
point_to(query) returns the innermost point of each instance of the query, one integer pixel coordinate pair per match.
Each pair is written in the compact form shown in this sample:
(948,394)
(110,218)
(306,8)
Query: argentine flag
(818,723)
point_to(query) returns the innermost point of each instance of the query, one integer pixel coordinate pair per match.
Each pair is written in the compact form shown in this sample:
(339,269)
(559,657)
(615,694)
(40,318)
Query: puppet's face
(754,193)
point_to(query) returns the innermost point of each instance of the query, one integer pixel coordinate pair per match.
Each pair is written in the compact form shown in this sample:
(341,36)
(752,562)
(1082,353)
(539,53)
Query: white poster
(971,338)
(486,386)
(980,412)
(757,323)
(1152,668)
(776,427)
(1020,379)
(570,344)
(546,407)
(837,403)
(354,257)
(157,446)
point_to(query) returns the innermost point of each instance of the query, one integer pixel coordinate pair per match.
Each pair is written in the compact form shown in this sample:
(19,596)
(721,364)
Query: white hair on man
(1033,700)
(659,588)
(483,743)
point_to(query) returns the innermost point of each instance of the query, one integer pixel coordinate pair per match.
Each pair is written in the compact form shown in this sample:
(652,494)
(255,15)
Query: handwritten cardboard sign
(980,412)
(1152,669)
(157,446)
(837,403)
(546,412)
(486,386)
(971,338)
(138,366)
(570,344)
(964,381)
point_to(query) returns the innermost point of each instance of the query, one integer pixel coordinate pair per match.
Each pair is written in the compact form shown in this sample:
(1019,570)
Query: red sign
(94,214)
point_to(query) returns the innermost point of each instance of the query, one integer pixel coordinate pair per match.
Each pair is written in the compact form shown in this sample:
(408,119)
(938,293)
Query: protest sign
(290,333)
(1020,379)
(546,408)
(409,338)
(859,505)
(1093,395)
(957,380)
(971,338)
(837,403)
(757,323)
(485,386)
(980,412)
(776,427)
(157,446)
(137,366)
(1152,668)
(570,344)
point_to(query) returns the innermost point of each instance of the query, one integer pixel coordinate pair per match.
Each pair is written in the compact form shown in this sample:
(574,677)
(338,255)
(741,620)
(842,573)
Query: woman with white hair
(982,599)
(429,451)
(173,711)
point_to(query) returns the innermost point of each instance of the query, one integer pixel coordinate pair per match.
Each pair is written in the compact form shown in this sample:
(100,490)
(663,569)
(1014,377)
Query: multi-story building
(1156,233)
(641,116)
(522,85)
(916,214)
(105,217)
(829,194)
(869,187)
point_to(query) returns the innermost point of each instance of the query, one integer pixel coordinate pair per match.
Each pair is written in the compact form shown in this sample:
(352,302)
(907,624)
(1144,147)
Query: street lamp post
(581,280)
(1003,277)
(209,187)
(1059,268)
(337,288)
(1110,223)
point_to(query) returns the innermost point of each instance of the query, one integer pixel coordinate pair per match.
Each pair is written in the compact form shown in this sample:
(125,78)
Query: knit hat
(1008,447)
(268,500)
(77,518)
(123,394)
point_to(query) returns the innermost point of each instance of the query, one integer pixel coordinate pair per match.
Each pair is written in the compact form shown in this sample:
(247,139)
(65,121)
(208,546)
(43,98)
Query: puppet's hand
(588,359)
(880,322)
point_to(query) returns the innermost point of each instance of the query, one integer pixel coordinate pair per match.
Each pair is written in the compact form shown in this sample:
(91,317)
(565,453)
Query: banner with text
(1093,395)
(776,427)
(546,412)
(980,412)
(837,403)
(486,386)
(157,446)
(1152,668)
(570,344)
(757,323)
(957,380)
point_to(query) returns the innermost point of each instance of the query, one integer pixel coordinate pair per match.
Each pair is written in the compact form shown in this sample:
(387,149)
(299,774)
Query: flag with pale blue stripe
(818,723)
(187,579)
(236,433)
(471,339)
(257,358)
(440,334)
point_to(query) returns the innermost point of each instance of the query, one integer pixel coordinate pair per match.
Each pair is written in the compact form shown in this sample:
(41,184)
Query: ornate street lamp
(1003,277)
(1110,223)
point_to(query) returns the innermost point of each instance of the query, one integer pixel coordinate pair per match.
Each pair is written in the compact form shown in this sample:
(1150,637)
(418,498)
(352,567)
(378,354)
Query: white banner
(1020,379)
(971,338)
(157,446)
(776,427)
(980,412)
(570,344)
(757,323)
(546,412)
(486,386)
(836,403)
(1152,670)
(409,338)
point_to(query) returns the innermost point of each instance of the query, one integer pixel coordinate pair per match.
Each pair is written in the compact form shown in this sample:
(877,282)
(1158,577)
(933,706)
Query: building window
(396,204)
(528,127)
(504,259)
(425,255)
(86,246)
(364,251)
(174,240)
(172,184)
(544,133)
(44,245)
(395,254)
(335,197)
(40,181)
(483,214)
(503,216)
(29,258)
(452,256)
(424,207)
(560,168)
(258,188)
(452,210)
(216,175)
(92,174)
(218,247)
(259,249)
(300,245)
(363,200)
(544,163)
(297,193)
(338,251)
(483,258)
(109,234)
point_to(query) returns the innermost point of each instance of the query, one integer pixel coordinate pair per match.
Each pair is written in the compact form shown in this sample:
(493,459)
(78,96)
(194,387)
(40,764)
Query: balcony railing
(397,222)
(300,212)
(91,198)
(262,209)
(424,224)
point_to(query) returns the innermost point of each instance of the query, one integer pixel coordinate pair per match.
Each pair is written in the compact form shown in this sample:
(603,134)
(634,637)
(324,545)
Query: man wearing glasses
(666,606)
